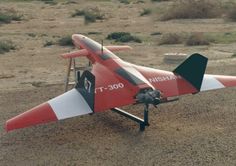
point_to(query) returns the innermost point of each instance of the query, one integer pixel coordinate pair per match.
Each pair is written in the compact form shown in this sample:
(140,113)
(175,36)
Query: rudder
(86,86)
(193,69)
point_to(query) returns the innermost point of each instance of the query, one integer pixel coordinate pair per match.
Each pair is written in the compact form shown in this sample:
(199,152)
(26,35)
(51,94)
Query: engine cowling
(149,96)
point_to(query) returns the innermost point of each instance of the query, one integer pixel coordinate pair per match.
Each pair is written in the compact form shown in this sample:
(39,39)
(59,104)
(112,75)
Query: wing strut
(142,122)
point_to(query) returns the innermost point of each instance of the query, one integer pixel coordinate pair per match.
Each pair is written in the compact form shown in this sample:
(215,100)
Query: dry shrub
(8,15)
(171,38)
(6,46)
(146,12)
(90,14)
(197,39)
(193,9)
(231,13)
(159,0)
(123,37)
(66,41)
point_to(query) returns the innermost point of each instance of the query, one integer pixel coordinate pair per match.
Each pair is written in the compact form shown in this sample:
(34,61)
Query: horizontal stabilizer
(193,69)
(212,82)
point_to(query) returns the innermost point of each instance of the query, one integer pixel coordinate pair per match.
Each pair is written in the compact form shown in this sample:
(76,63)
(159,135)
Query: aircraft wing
(188,78)
(90,95)
(76,102)
(84,52)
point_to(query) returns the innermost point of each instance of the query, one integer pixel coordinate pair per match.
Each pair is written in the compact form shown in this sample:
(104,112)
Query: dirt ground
(196,130)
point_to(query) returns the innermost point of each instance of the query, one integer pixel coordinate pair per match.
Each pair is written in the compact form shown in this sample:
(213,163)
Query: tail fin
(86,87)
(193,69)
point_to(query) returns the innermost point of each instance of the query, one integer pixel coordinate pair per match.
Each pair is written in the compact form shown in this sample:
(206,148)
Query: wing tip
(6,127)
(9,126)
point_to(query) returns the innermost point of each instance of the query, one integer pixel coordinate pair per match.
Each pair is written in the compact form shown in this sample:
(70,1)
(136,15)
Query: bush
(146,12)
(78,13)
(117,35)
(125,1)
(90,14)
(159,0)
(51,2)
(197,39)
(6,46)
(170,38)
(156,33)
(48,43)
(231,13)
(234,55)
(8,15)
(193,9)
(123,37)
(66,41)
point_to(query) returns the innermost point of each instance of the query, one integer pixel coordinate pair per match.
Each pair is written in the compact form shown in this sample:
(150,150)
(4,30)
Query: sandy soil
(197,130)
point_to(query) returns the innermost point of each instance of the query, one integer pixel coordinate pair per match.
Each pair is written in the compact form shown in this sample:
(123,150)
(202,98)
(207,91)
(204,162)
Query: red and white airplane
(113,83)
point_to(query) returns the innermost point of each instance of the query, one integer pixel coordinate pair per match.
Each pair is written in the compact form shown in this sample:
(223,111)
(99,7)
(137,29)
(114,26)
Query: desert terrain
(196,130)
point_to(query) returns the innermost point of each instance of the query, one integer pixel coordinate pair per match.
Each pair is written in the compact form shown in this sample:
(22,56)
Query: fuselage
(100,54)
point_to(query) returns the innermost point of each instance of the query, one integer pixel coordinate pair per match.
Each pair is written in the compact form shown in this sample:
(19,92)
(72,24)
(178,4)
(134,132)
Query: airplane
(112,83)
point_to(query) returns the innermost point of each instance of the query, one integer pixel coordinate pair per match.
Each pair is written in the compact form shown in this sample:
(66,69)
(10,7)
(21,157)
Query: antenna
(102,47)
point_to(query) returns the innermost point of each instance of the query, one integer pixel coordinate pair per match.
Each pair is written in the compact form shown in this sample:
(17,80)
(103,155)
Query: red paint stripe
(227,81)
(37,115)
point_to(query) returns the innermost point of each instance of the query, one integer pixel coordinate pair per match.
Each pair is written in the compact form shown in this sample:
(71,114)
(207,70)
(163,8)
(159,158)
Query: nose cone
(78,40)
(77,37)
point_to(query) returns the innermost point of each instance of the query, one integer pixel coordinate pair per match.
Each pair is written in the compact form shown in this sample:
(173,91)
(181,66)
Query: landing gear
(142,122)
(147,97)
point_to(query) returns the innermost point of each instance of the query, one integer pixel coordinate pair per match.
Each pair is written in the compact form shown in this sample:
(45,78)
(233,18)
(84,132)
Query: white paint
(69,104)
(210,82)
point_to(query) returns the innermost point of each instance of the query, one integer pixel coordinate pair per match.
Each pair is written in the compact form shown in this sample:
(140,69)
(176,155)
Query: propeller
(149,96)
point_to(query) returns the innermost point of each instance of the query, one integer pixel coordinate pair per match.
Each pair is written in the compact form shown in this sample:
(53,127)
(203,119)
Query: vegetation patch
(231,13)
(50,2)
(159,0)
(9,15)
(156,33)
(146,12)
(171,38)
(222,38)
(193,39)
(6,46)
(31,34)
(94,33)
(66,41)
(37,84)
(125,1)
(197,39)
(123,37)
(6,76)
(193,9)
(234,55)
(90,14)
(49,43)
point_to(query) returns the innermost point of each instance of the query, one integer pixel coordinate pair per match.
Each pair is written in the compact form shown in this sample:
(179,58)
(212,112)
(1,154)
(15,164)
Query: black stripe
(129,77)
(105,56)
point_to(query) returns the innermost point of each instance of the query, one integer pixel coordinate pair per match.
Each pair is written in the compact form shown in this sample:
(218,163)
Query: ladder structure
(75,70)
